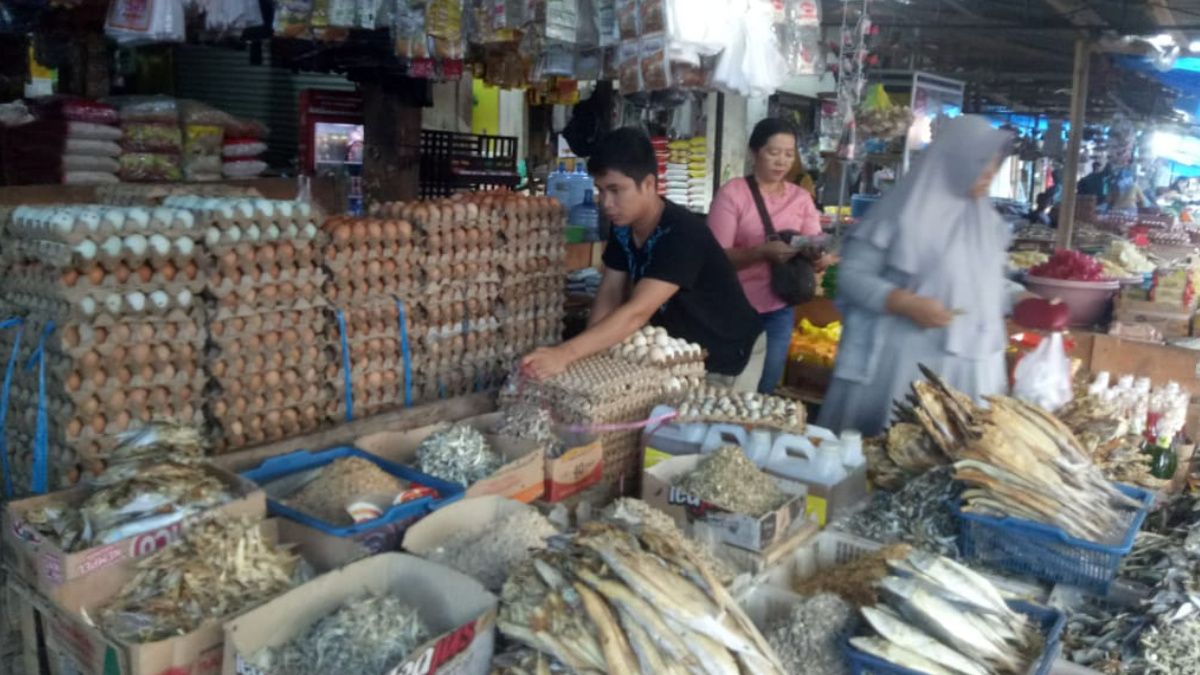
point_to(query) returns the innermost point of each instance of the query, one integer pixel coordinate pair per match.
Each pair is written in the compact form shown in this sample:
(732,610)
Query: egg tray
(119,278)
(82,429)
(379,289)
(348,259)
(35,290)
(311,279)
(87,436)
(259,339)
(226,442)
(131,194)
(135,400)
(127,374)
(169,222)
(349,232)
(250,259)
(223,329)
(78,337)
(253,383)
(243,310)
(243,211)
(62,257)
(64,312)
(261,361)
(242,406)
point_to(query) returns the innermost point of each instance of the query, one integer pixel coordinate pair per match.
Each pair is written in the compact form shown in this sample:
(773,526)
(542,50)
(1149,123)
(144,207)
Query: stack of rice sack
(203,130)
(111,318)
(151,144)
(243,148)
(71,141)
(272,373)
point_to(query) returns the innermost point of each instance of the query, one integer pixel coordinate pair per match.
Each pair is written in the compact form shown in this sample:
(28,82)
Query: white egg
(212,237)
(285,209)
(271,233)
(64,222)
(252,233)
(90,220)
(291,231)
(163,217)
(225,211)
(137,217)
(245,209)
(160,244)
(309,231)
(184,298)
(233,234)
(159,299)
(184,245)
(112,246)
(266,207)
(303,210)
(114,218)
(86,249)
(186,218)
(112,303)
(136,244)
(657,355)
(136,301)
(87,305)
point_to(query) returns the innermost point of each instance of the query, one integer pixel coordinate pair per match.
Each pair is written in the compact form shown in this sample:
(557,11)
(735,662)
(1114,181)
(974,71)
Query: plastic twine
(346,374)
(405,353)
(18,323)
(41,436)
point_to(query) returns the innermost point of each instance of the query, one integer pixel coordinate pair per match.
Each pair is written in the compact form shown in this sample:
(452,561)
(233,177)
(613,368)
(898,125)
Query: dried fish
(809,640)
(216,569)
(490,553)
(1107,437)
(918,514)
(366,636)
(533,423)
(728,479)
(1173,650)
(637,513)
(855,581)
(158,440)
(342,482)
(459,454)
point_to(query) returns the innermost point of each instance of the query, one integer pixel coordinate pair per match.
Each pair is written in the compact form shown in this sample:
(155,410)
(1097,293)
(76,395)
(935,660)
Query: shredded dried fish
(809,640)
(490,553)
(459,454)
(216,569)
(533,423)
(918,514)
(855,581)
(638,513)
(366,636)
(728,479)
(340,483)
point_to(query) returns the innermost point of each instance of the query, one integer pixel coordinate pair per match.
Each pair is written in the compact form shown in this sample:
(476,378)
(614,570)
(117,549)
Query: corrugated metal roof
(225,79)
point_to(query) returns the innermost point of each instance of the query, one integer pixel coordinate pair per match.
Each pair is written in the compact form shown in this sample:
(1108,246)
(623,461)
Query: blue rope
(41,436)
(346,374)
(405,353)
(19,324)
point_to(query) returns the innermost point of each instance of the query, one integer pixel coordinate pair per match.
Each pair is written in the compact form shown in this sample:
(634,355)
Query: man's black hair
(766,128)
(626,150)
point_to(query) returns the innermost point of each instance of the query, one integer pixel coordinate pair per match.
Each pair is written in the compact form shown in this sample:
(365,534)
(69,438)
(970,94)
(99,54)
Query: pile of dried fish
(809,640)
(1019,460)
(367,636)
(1174,649)
(488,555)
(533,423)
(1102,431)
(159,440)
(216,569)
(637,513)
(459,454)
(337,485)
(153,497)
(905,451)
(729,480)
(941,617)
(718,404)
(918,514)
(855,581)
(609,600)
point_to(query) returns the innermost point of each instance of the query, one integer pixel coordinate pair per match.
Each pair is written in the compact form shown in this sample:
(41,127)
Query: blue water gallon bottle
(585,215)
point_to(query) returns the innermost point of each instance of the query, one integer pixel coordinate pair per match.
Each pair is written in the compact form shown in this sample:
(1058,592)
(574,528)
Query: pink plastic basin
(1086,301)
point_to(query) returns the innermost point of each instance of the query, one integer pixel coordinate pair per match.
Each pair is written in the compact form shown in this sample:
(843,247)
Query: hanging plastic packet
(292,17)
(588,63)
(801,37)
(651,16)
(627,19)
(557,60)
(655,66)
(408,29)
(606,22)
(629,67)
(144,21)
(587,35)
(561,20)
(443,23)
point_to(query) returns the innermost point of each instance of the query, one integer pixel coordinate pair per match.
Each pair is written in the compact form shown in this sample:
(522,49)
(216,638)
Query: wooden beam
(450,410)
(1079,90)
(1078,12)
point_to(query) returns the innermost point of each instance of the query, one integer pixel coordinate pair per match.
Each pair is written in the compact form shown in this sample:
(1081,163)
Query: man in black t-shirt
(662,266)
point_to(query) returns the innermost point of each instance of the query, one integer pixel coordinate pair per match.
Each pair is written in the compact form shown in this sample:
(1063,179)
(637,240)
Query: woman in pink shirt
(738,228)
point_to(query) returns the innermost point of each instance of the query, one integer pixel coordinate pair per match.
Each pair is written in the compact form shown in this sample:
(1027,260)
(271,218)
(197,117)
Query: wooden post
(1079,93)
(391,148)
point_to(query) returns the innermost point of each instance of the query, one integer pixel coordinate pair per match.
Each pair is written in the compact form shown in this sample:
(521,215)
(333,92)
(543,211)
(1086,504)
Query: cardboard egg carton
(153,400)
(127,374)
(232,306)
(64,257)
(72,224)
(129,194)
(149,275)
(225,212)
(297,377)
(293,281)
(274,426)
(133,297)
(232,327)
(252,258)
(265,398)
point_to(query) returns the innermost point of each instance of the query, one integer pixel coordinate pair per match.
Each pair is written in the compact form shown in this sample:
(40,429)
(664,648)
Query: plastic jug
(671,439)
(580,184)
(850,445)
(558,185)
(798,458)
(586,215)
(756,443)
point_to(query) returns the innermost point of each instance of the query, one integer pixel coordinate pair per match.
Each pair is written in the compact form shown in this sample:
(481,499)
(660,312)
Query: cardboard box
(473,514)
(736,529)
(454,606)
(1170,321)
(84,577)
(576,470)
(521,478)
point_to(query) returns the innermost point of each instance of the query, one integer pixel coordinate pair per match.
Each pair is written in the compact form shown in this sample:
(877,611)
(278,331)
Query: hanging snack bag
(145,21)
(656,72)
(651,16)
(150,137)
(627,19)
(150,167)
(408,30)
(292,17)
(629,67)
(443,23)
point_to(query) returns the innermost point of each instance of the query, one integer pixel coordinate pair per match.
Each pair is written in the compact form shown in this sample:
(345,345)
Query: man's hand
(776,251)
(923,311)
(544,363)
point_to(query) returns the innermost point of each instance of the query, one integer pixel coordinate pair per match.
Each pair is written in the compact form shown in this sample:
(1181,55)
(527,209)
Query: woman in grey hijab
(921,282)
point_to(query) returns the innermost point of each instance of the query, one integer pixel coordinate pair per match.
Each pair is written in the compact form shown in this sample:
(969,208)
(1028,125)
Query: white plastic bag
(1043,377)
(145,21)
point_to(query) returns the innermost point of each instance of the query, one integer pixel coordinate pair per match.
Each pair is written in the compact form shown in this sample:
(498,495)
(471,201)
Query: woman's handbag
(794,281)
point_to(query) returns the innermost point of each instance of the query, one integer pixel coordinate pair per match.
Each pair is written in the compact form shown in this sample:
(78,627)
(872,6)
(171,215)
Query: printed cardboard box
(82,577)
(454,606)
(736,529)
(74,644)
(521,478)
(575,471)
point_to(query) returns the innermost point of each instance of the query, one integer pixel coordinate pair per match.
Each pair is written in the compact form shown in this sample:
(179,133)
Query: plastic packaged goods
(230,16)
(243,168)
(291,18)
(245,129)
(656,72)
(161,109)
(627,19)
(408,30)
(150,137)
(88,148)
(561,20)
(242,147)
(652,16)
(443,23)
(629,67)
(89,178)
(751,65)
(145,21)
(800,36)
(90,163)
(74,110)
(150,167)
(203,140)
(90,131)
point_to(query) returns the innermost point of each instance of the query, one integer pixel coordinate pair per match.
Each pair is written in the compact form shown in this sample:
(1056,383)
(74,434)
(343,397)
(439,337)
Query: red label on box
(445,649)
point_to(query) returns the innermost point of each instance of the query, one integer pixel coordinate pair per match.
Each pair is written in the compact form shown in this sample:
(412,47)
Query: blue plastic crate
(1045,551)
(1052,623)
(380,534)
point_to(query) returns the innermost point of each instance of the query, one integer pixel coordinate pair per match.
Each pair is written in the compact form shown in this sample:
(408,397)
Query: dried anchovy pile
(855,581)
(459,454)
(366,636)
(504,542)
(638,513)
(218,568)
(810,639)
(533,423)
(728,479)
(918,514)
(340,483)
(1173,649)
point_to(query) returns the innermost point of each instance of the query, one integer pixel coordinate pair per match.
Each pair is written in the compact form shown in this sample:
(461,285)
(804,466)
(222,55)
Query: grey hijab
(949,244)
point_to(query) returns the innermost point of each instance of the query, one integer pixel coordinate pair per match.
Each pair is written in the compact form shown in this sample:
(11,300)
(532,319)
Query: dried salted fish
(855,581)
(728,479)
(637,513)
(158,440)
(1101,431)
(342,482)
(490,553)
(366,636)
(1173,650)
(459,454)
(533,423)
(918,514)
(216,569)
(809,639)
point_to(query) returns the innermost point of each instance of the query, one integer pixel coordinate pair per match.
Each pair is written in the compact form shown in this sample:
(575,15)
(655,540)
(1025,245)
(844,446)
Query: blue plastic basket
(379,534)
(1051,621)
(1045,551)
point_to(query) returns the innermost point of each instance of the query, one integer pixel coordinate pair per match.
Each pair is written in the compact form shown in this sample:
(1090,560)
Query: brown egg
(190,270)
(166,371)
(146,332)
(228,261)
(271,379)
(169,331)
(90,360)
(291,419)
(74,427)
(342,234)
(160,395)
(236,428)
(290,377)
(162,352)
(121,421)
(218,368)
(238,324)
(95,275)
(275,360)
(137,397)
(99,423)
(290,335)
(124,375)
(219,407)
(233,387)
(358,232)
(259,402)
